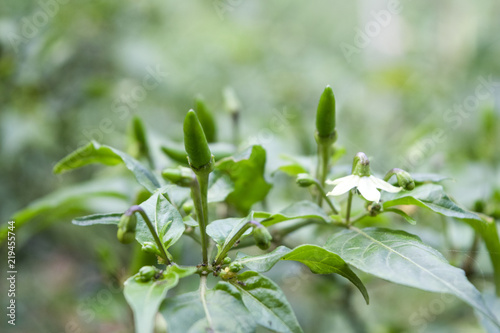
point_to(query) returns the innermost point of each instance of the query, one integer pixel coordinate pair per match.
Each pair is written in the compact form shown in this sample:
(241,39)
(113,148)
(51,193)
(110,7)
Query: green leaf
(323,261)
(493,303)
(165,218)
(266,302)
(224,312)
(429,178)
(220,186)
(145,297)
(64,202)
(94,152)
(296,165)
(402,258)
(300,210)
(221,231)
(429,196)
(111,218)
(264,262)
(75,194)
(401,213)
(246,170)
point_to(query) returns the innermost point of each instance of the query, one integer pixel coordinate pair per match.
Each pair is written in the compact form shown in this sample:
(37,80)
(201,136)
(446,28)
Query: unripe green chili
(138,141)
(195,142)
(206,120)
(180,176)
(325,114)
(177,153)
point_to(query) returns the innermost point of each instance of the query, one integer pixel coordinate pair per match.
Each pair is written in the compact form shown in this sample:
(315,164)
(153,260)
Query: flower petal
(339,180)
(345,185)
(383,185)
(368,189)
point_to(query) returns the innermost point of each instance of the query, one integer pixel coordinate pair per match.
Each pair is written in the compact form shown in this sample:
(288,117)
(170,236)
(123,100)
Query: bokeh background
(417,85)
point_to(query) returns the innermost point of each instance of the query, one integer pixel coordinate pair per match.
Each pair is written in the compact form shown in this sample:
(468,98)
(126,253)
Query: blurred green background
(417,85)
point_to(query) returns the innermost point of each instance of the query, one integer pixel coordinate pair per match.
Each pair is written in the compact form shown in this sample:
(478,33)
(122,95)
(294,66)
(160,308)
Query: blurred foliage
(71,71)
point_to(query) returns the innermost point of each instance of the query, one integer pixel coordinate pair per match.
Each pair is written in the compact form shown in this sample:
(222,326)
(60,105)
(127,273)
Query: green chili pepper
(325,115)
(206,120)
(195,142)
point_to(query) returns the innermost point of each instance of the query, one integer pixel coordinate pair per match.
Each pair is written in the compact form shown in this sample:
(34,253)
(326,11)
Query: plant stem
(322,167)
(203,290)
(153,232)
(199,191)
(348,210)
(327,199)
(231,243)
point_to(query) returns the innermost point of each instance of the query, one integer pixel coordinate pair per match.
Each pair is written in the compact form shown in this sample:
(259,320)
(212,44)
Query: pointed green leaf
(264,262)
(300,210)
(220,186)
(266,302)
(246,170)
(94,152)
(165,218)
(66,201)
(429,196)
(224,312)
(221,231)
(145,297)
(401,213)
(428,178)
(111,218)
(402,258)
(323,261)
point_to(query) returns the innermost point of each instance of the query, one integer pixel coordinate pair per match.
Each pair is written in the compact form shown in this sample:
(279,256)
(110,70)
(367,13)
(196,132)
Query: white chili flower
(361,179)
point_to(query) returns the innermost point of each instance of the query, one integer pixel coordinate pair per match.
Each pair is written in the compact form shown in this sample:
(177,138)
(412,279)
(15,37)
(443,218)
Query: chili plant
(234,295)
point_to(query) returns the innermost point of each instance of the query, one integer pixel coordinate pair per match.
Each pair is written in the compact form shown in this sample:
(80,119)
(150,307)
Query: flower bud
(195,142)
(404,178)
(235,267)
(126,228)
(226,274)
(151,248)
(325,115)
(227,260)
(305,180)
(188,207)
(262,237)
(179,176)
(146,273)
(206,120)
